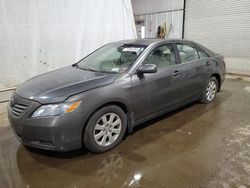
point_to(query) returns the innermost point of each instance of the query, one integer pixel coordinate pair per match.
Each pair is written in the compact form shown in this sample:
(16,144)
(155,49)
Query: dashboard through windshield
(111,58)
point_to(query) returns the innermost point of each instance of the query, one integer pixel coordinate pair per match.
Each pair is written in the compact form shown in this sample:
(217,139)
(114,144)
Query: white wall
(174,21)
(156,12)
(222,26)
(40,35)
(153,6)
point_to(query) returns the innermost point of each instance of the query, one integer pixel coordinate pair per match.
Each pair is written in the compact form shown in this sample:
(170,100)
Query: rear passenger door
(194,67)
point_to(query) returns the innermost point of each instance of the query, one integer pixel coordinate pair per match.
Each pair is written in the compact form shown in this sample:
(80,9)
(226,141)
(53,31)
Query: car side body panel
(119,93)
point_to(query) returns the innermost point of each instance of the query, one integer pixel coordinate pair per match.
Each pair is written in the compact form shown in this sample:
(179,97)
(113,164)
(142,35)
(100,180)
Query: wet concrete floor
(195,146)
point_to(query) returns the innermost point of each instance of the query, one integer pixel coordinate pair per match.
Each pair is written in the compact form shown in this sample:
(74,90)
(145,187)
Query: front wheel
(105,129)
(210,91)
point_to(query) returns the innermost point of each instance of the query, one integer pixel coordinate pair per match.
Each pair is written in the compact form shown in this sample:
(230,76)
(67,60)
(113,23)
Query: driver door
(154,92)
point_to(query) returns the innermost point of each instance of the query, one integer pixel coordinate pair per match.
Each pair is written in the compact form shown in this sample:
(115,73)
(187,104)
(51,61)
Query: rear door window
(202,54)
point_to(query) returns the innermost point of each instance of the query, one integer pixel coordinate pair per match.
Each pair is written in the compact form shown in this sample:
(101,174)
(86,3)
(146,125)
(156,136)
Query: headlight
(55,109)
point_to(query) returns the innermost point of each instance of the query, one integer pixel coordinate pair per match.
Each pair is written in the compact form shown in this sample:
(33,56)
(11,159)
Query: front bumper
(56,133)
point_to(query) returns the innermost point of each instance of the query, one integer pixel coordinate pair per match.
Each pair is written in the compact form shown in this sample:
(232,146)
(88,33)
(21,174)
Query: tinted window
(187,53)
(162,56)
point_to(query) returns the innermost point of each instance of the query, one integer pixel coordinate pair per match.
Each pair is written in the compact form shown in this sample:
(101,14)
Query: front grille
(18,109)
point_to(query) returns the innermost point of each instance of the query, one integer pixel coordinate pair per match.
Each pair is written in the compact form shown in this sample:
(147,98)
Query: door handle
(176,73)
(208,63)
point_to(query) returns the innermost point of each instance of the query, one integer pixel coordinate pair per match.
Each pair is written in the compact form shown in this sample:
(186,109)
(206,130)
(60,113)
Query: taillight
(223,61)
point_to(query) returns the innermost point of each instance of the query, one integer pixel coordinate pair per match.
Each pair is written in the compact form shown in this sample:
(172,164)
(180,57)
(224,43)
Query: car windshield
(112,58)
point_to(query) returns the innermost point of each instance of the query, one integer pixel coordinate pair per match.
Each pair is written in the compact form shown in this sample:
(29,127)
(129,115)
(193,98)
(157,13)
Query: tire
(105,129)
(209,93)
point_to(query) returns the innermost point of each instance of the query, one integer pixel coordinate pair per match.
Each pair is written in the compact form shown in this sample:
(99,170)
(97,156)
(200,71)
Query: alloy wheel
(107,129)
(211,90)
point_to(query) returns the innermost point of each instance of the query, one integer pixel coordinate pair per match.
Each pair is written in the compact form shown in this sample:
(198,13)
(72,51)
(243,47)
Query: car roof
(149,41)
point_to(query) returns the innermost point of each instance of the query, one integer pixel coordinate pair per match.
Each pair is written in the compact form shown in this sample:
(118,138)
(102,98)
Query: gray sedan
(94,102)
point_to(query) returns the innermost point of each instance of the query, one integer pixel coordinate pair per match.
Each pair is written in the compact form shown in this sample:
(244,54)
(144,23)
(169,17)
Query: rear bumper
(57,133)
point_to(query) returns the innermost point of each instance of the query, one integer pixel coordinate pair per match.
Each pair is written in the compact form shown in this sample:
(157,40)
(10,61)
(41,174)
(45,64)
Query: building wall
(224,27)
(149,6)
(152,14)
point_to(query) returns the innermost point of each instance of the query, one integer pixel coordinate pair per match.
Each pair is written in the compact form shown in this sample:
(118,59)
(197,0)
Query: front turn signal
(73,106)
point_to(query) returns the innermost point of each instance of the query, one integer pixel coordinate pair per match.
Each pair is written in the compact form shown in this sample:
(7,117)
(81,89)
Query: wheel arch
(218,78)
(123,106)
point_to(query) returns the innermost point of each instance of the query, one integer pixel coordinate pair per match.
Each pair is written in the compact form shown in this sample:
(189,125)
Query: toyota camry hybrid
(95,101)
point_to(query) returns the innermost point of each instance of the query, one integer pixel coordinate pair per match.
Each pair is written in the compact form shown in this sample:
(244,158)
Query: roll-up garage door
(224,27)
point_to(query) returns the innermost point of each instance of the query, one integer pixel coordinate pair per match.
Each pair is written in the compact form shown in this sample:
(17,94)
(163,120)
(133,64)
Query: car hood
(58,85)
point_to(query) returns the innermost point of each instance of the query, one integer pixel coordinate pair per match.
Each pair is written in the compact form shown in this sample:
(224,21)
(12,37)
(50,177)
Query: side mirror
(147,68)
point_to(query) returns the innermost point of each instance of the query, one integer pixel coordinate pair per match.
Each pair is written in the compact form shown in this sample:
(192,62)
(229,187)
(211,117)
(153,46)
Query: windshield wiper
(75,65)
(88,69)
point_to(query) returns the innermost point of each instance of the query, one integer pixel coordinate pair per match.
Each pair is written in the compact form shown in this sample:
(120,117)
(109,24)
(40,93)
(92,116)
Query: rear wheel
(105,129)
(210,91)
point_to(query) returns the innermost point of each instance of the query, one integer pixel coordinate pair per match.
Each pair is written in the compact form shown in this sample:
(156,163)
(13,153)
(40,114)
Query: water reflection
(78,169)
(110,168)
(135,182)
